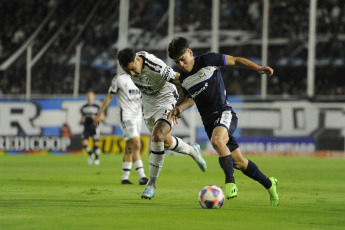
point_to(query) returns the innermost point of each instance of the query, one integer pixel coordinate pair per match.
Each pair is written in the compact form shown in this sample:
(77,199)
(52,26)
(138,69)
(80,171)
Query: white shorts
(161,114)
(131,128)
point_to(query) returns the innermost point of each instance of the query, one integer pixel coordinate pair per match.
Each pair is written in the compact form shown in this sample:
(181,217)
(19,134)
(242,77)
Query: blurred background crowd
(94,24)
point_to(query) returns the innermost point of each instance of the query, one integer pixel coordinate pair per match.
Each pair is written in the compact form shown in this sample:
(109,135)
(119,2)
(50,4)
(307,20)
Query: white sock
(126,170)
(138,165)
(180,146)
(156,161)
(88,150)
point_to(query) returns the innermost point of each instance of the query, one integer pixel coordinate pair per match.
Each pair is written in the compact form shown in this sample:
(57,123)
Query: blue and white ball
(211,196)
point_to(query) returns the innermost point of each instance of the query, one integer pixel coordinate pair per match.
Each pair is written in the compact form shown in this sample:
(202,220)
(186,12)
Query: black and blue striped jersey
(87,111)
(206,86)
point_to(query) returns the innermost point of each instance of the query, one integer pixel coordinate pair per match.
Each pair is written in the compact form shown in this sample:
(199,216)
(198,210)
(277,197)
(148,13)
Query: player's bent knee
(217,143)
(129,148)
(157,137)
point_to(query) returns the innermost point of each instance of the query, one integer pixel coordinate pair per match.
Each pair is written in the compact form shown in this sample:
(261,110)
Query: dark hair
(177,47)
(125,56)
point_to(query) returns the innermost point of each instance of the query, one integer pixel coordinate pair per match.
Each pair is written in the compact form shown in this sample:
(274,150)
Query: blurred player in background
(129,101)
(149,74)
(203,80)
(89,112)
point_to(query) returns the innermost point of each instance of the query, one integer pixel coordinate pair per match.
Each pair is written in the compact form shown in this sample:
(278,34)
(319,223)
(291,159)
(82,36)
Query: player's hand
(266,70)
(174,115)
(96,120)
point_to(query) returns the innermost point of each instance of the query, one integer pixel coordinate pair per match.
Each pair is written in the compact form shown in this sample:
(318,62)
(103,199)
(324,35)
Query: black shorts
(227,119)
(91,131)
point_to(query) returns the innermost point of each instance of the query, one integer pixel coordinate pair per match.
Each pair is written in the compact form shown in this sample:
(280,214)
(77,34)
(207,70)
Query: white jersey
(128,97)
(154,84)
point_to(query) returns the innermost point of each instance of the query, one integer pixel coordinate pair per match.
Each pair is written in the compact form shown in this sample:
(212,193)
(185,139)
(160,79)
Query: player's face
(134,68)
(185,61)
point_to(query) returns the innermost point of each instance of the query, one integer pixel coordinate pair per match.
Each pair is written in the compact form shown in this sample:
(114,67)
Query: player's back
(128,96)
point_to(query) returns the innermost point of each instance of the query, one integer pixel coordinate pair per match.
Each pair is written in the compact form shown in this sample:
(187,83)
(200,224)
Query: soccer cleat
(143,181)
(126,182)
(231,190)
(198,158)
(148,193)
(97,162)
(272,191)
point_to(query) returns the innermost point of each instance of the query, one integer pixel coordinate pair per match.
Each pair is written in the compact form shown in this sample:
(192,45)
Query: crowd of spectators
(54,71)
(18,20)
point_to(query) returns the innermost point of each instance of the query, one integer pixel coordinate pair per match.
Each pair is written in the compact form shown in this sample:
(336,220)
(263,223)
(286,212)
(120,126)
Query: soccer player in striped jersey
(129,102)
(202,78)
(159,96)
(89,112)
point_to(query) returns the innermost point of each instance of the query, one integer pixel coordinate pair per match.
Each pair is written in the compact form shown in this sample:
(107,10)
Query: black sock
(95,150)
(228,168)
(254,172)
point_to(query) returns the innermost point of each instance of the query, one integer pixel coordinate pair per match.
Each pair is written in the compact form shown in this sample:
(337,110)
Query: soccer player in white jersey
(129,102)
(150,75)
(202,78)
(89,112)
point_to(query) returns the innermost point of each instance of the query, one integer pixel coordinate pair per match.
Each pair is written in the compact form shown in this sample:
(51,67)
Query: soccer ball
(211,196)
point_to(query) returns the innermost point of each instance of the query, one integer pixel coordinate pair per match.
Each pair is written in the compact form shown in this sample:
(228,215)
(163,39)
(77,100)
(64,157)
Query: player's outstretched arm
(243,62)
(100,116)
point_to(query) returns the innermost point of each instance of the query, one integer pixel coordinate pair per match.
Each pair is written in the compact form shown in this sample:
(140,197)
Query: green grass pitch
(63,192)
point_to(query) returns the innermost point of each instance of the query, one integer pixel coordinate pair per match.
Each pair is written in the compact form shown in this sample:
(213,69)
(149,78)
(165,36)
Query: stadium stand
(94,24)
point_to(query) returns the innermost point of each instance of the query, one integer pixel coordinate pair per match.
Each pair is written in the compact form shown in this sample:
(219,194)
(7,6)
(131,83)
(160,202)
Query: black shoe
(143,181)
(126,182)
